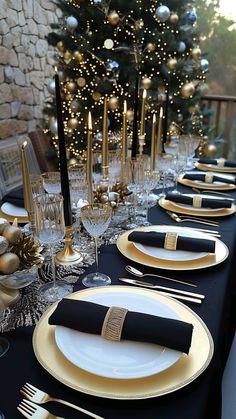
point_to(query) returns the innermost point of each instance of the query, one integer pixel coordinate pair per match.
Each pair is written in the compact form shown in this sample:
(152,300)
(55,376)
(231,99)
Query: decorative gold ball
(81,81)
(3,224)
(60,46)
(151,47)
(74,105)
(72,162)
(173,129)
(139,24)
(146,83)
(78,56)
(196,53)
(12,234)
(209,150)
(174,18)
(67,56)
(71,86)
(96,96)
(72,123)
(9,263)
(113,18)
(130,115)
(171,63)
(113,103)
(187,90)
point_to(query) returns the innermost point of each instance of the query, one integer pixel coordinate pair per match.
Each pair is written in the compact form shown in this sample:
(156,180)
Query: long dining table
(200,399)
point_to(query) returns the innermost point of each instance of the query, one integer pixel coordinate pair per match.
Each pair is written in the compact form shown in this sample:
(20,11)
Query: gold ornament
(171,63)
(67,56)
(60,46)
(122,190)
(12,234)
(174,18)
(74,105)
(72,162)
(96,96)
(173,129)
(71,86)
(78,56)
(196,53)
(81,81)
(209,150)
(139,24)
(113,103)
(146,83)
(130,115)
(28,251)
(9,263)
(151,47)
(3,245)
(3,224)
(72,123)
(113,18)
(187,90)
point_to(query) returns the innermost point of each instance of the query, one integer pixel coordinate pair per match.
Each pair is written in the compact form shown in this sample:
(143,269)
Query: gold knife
(170,291)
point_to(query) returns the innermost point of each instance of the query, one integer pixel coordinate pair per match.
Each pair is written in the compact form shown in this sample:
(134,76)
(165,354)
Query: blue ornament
(192,16)
(181,46)
(162,13)
(204,64)
(71,22)
(112,65)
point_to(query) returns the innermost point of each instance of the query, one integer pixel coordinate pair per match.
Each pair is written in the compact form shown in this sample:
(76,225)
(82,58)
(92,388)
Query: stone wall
(26,63)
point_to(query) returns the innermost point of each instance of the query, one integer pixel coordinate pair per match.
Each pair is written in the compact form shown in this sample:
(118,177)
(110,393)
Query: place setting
(208,180)
(221,164)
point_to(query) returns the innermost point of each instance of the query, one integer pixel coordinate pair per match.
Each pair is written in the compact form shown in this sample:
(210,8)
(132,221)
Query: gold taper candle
(105,142)
(153,144)
(27,191)
(142,121)
(159,133)
(124,134)
(89,166)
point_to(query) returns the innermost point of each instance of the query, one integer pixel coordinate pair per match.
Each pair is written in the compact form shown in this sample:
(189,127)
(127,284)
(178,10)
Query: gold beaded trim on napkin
(197,201)
(209,177)
(170,241)
(113,323)
(221,162)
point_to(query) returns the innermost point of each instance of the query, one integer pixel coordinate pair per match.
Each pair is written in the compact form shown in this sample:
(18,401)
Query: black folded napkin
(206,202)
(15,197)
(202,177)
(88,317)
(157,239)
(227,163)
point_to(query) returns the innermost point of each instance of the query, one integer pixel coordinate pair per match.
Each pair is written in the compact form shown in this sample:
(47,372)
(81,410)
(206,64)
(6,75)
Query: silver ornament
(51,87)
(181,46)
(71,22)
(163,13)
(204,64)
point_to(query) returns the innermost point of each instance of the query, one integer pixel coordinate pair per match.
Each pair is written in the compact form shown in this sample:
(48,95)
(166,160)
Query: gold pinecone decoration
(122,189)
(28,251)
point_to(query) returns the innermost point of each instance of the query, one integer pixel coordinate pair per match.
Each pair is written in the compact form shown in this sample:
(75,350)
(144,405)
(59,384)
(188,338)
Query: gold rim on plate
(215,168)
(128,249)
(203,185)
(182,373)
(11,218)
(170,206)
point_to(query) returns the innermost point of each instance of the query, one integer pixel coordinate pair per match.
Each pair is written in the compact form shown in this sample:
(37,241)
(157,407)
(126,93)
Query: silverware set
(30,409)
(136,272)
(210,192)
(181,219)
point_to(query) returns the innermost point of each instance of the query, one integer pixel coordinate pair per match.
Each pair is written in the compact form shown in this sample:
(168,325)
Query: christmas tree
(122,50)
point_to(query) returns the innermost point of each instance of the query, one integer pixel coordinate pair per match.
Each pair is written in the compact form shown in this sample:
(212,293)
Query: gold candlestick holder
(69,255)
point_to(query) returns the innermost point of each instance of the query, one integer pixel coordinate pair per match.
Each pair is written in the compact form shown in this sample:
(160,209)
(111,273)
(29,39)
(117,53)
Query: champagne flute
(4,344)
(95,219)
(50,229)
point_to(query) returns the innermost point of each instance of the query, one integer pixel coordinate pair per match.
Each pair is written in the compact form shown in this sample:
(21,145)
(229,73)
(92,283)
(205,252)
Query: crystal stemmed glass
(179,166)
(151,179)
(95,219)
(134,172)
(50,229)
(4,344)
(164,164)
(52,182)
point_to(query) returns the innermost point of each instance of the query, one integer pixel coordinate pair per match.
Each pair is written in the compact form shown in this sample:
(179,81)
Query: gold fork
(38,396)
(32,411)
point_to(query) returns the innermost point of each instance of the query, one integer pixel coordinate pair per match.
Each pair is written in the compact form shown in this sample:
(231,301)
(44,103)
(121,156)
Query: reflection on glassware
(96,219)
(134,176)
(151,179)
(179,166)
(164,164)
(52,182)
(188,145)
(50,229)
(4,343)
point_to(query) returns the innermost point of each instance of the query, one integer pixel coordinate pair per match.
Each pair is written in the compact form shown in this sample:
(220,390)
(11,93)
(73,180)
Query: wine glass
(179,166)
(134,176)
(164,164)
(50,229)
(95,219)
(151,179)
(52,182)
(4,344)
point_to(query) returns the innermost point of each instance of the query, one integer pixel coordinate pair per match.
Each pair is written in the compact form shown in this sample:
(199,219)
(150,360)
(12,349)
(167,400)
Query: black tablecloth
(198,400)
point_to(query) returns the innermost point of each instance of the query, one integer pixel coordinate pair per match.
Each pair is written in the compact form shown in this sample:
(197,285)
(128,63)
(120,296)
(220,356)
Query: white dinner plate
(181,255)
(204,209)
(124,359)
(12,210)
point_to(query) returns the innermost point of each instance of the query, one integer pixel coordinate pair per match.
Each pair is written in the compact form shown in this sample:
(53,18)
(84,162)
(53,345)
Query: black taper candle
(65,187)
(135,120)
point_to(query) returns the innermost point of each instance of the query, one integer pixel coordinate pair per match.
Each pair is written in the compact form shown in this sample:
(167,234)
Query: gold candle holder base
(69,255)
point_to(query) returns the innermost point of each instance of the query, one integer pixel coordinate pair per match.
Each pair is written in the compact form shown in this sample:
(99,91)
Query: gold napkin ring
(221,162)
(113,323)
(209,177)
(197,201)
(170,241)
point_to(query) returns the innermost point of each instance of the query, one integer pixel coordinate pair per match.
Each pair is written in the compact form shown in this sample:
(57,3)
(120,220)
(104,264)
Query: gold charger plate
(128,249)
(203,185)
(215,168)
(11,218)
(170,206)
(186,370)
